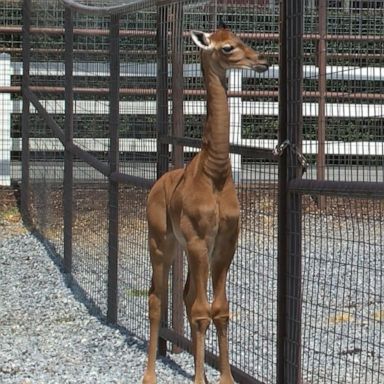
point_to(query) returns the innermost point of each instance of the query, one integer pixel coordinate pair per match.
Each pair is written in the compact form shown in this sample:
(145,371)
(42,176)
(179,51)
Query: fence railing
(238,106)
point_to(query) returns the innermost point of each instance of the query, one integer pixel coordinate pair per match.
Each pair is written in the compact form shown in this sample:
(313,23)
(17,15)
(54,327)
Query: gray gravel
(48,336)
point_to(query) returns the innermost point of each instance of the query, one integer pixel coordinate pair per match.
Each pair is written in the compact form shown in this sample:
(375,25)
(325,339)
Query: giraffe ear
(202,39)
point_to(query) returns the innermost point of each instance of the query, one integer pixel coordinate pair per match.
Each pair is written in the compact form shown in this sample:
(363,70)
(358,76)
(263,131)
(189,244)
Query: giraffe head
(225,50)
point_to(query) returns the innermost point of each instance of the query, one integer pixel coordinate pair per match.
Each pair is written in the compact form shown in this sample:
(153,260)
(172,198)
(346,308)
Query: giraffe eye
(227,48)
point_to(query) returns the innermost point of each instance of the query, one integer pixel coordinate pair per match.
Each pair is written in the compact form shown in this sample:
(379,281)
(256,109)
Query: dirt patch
(10,218)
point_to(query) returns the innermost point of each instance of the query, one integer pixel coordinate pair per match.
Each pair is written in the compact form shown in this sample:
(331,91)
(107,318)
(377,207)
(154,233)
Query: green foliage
(259,127)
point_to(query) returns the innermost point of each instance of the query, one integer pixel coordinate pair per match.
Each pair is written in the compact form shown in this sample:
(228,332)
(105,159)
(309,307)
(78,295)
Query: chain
(279,149)
(301,158)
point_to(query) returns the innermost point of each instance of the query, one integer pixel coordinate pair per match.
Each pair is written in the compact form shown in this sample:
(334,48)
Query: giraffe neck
(215,150)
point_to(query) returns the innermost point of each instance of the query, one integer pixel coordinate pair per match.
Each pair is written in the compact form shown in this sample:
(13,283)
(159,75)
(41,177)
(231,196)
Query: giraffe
(198,208)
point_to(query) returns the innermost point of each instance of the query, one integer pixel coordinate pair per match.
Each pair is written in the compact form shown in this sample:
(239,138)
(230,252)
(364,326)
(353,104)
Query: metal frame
(68,133)
(113,242)
(291,186)
(25,191)
(128,7)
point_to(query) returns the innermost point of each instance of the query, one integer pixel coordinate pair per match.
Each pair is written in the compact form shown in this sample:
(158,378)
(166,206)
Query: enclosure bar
(255,153)
(294,62)
(334,55)
(162,90)
(162,125)
(289,208)
(68,141)
(194,92)
(321,119)
(25,126)
(130,6)
(282,204)
(76,150)
(210,358)
(178,158)
(114,101)
(257,36)
(353,189)
(90,159)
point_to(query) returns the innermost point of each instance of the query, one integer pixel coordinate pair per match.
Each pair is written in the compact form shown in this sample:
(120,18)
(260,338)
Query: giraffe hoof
(149,378)
(226,380)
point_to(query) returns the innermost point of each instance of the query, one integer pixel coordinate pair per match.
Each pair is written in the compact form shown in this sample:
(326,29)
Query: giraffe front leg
(197,306)
(162,254)
(221,261)
(220,316)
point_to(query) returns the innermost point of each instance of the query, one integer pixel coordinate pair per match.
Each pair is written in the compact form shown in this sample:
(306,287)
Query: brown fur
(198,208)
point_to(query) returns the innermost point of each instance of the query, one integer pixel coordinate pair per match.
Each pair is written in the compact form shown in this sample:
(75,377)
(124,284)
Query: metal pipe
(178,157)
(256,36)
(194,92)
(254,153)
(352,189)
(68,142)
(25,126)
(129,6)
(281,330)
(348,56)
(114,116)
(162,124)
(293,231)
(322,86)
(289,204)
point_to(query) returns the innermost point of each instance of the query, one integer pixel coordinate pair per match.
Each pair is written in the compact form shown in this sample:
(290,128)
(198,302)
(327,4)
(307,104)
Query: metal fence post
(162,121)
(114,116)
(289,212)
(321,120)
(178,157)
(68,132)
(162,90)
(25,126)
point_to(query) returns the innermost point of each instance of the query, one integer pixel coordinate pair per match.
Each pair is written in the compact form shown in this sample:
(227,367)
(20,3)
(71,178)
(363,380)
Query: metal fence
(112,98)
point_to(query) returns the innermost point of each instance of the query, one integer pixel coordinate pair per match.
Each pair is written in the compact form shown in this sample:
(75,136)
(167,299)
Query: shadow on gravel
(80,295)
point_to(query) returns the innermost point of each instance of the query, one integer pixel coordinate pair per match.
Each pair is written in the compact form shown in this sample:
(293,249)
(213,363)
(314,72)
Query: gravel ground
(48,336)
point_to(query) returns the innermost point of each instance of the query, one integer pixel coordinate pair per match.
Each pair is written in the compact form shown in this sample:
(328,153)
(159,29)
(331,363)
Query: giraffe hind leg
(162,255)
(162,249)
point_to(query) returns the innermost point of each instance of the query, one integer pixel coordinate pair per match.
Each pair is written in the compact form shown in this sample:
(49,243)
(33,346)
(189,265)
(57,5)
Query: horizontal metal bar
(348,55)
(352,189)
(150,33)
(128,7)
(197,107)
(210,358)
(192,92)
(254,152)
(54,31)
(104,11)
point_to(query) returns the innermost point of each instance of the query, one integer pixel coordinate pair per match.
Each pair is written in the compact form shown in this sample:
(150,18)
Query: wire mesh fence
(342,291)
(333,283)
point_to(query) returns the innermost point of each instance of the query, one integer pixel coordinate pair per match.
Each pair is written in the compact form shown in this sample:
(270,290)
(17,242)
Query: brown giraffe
(197,207)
